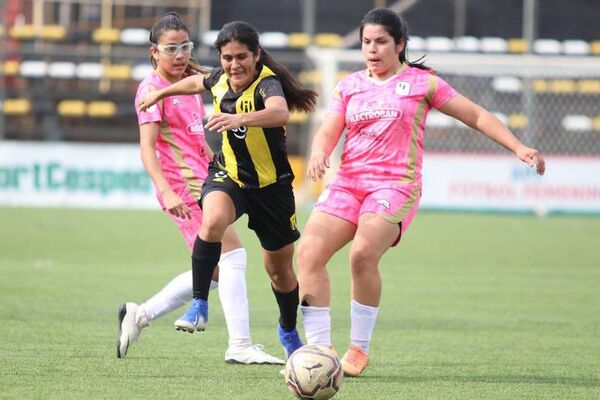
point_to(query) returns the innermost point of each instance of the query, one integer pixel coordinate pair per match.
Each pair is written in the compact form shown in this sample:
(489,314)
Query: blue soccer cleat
(290,340)
(195,319)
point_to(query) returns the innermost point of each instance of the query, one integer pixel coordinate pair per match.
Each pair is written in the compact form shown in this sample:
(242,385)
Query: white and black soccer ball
(314,372)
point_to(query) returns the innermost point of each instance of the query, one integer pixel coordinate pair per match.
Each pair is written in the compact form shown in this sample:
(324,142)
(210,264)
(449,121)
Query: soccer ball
(314,372)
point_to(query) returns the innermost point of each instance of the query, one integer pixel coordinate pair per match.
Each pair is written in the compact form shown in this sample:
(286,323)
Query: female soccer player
(252,97)
(175,155)
(376,191)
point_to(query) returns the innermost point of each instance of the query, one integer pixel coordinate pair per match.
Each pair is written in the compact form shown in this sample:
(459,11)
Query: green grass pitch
(474,307)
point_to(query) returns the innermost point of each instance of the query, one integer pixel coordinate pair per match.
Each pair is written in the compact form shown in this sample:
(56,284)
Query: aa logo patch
(294,222)
(247,106)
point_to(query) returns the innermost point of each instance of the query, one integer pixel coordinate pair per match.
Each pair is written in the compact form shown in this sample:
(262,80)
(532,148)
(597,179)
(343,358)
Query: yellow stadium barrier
(298,117)
(588,86)
(106,35)
(22,32)
(53,32)
(16,106)
(328,40)
(299,168)
(71,108)
(595,47)
(101,109)
(11,68)
(298,40)
(596,124)
(310,77)
(516,45)
(117,72)
(517,121)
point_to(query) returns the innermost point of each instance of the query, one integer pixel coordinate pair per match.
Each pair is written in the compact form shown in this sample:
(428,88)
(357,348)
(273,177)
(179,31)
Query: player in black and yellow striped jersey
(253,95)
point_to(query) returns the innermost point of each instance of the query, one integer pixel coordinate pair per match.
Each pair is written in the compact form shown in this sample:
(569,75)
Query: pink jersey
(180,142)
(385,123)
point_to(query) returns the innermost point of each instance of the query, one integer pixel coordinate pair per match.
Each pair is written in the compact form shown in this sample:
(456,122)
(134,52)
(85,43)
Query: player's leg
(133,317)
(331,226)
(234,300)
(272,215)
(384,215)
(220,210)
(219,213)
(323,236)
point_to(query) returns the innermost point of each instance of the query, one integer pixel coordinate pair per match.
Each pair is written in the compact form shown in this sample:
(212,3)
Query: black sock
(288,307)
(205,258)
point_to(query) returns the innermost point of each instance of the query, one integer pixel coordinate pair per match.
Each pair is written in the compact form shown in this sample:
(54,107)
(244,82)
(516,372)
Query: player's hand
(316,166)
(532,157)
(148,100)
(224,122)
(175,205)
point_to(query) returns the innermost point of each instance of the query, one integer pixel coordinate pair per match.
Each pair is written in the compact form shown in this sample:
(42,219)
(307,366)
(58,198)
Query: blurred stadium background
(69,70)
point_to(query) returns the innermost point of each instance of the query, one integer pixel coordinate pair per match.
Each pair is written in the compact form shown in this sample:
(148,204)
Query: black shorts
(271,210)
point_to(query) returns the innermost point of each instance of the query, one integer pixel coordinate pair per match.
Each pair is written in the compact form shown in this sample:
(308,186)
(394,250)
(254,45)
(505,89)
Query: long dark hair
(172,22)
(297,97)
(395,25)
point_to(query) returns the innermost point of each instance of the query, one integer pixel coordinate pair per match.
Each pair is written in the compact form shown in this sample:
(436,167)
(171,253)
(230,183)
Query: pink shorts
(396,204)
(189,228)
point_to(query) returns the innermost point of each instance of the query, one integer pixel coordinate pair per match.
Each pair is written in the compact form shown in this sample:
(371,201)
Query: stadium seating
(106,35)
(16,106)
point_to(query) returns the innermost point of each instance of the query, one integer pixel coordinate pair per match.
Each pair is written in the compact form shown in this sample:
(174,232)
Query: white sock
(317,325)
(363,322)
(175,294)
(234,296)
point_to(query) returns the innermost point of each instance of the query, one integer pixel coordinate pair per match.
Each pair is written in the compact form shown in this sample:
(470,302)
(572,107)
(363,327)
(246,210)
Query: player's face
(380,52)
(172,54)
(239,64)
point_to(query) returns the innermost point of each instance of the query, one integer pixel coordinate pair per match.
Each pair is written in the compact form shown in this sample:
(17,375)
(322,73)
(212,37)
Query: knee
(308,257)
(212,228)
(362,261)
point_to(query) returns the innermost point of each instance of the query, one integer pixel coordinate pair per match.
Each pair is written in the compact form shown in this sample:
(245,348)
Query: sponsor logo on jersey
(371,115)
(196,125)
(240,132)
(175,101)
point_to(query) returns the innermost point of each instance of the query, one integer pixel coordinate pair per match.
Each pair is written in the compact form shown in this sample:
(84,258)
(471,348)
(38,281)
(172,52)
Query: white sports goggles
(172,49)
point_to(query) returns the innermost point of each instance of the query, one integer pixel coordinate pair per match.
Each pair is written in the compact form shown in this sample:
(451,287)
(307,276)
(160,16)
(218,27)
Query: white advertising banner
(112,176)
(74,175)
(503,183)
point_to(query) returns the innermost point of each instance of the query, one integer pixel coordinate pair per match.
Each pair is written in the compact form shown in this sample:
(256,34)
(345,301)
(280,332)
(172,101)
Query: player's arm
(327,136)
(173,203)
(477,117)
(191,85)
(274,114)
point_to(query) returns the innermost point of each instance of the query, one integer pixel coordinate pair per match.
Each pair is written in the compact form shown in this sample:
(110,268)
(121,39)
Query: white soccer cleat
(132,320)
(251,354)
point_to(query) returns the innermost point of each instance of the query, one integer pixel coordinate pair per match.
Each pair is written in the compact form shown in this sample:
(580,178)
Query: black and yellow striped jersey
(252,156)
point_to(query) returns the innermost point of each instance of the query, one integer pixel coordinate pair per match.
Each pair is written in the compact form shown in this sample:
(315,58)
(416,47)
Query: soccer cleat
(251,354)
(290,340)
(196,317)
(355,361)
(132,320)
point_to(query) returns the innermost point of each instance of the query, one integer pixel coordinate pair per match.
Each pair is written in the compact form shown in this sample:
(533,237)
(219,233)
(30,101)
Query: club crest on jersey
(247,106)
(196,125)
(403,88)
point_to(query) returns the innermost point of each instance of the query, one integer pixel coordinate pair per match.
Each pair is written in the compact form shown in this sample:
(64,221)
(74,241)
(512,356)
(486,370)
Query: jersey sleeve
(336,102)
(211,78)
(269,87)
(443,93)
(151,114)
